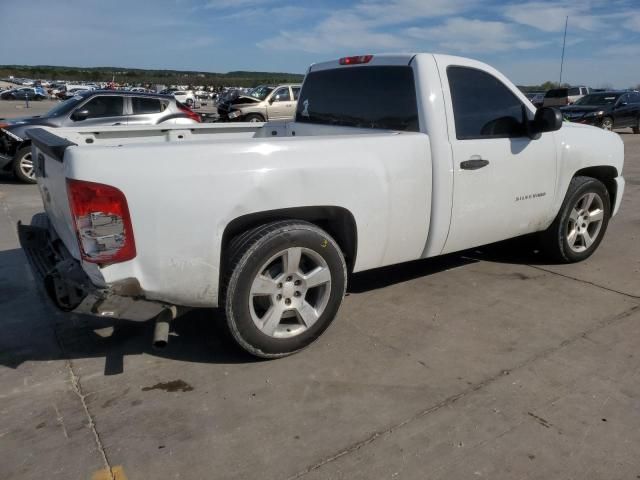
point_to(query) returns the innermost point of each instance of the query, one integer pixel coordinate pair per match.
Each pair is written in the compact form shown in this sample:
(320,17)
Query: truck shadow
(33,330)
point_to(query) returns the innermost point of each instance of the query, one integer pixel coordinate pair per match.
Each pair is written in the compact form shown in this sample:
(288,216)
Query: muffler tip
(161,330)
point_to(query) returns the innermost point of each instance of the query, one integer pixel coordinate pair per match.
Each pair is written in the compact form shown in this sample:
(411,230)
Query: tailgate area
(68,286)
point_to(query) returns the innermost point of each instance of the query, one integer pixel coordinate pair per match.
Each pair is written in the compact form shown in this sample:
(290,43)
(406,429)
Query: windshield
(364,97)
(599,99)
(261,92)
(64,107)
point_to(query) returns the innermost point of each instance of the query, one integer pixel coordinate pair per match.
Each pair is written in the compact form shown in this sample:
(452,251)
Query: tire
(23,165)
(273,311)
(568,240)
(254,118)
(607,123)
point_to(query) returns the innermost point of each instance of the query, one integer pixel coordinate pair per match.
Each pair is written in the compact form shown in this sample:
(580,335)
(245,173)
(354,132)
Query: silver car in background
(88,108)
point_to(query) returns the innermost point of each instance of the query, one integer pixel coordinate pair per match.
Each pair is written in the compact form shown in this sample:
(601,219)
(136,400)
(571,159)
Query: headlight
(595,114)
(235,114)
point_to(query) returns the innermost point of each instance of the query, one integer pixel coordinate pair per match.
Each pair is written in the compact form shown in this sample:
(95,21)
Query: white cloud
(551,16)
(477,36)
(359,27)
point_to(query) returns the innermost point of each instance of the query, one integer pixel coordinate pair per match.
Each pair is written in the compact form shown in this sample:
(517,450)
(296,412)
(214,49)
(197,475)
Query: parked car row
(88,108)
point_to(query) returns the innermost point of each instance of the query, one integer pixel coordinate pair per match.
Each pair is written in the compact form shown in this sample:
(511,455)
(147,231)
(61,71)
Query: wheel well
(336,221)
(606,174)
(13,149)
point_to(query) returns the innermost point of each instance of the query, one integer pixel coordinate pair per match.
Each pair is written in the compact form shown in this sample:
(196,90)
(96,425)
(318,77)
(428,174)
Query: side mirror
(547,119)
(622,104)
(273,99)
(79,115)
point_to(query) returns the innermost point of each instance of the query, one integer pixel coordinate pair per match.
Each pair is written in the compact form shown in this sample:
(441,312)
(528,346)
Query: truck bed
(185,185)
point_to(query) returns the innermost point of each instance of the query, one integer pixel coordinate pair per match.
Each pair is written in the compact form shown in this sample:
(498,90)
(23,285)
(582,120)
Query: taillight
(356,60)
(189,113)
(102,222)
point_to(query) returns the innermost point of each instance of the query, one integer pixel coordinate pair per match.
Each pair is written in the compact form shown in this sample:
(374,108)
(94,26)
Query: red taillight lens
(190,113)
(356,60)
(102,221)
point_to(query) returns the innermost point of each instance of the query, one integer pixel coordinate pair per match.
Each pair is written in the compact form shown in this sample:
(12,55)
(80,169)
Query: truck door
(281,105)
(504,182)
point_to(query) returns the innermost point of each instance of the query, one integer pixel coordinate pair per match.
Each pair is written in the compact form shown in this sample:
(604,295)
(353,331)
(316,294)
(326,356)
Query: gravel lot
(485,364)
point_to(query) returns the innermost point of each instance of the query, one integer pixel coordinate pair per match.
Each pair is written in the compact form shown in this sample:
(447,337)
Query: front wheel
(23,165)
(287,281)
(254,118)
(607,123)
(581,223)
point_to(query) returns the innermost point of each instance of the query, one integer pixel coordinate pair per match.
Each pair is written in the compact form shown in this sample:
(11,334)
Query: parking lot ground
(484,364)
(18,108)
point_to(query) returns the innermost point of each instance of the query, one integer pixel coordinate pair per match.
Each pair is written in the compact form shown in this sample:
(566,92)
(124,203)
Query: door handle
(474,164)
(118,123)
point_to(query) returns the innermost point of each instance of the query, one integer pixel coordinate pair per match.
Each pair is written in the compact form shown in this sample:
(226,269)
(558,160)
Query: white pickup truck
(390,158)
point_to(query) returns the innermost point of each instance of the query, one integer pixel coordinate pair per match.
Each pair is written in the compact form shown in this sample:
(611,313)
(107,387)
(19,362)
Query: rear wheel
(581,223)
(287,280)
(23,166)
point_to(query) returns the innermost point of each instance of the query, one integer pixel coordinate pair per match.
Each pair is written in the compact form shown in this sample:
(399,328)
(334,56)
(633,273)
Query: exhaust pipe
(161,330)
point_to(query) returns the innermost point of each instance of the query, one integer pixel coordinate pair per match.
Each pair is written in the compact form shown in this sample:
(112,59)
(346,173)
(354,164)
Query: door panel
(282,108)
(504,182)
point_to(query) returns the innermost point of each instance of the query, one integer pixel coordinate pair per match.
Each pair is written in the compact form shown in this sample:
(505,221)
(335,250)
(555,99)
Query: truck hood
(242,99)
(584,109)
(18,126)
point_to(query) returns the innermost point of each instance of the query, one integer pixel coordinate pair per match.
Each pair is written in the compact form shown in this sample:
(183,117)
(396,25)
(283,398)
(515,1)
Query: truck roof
(402,59)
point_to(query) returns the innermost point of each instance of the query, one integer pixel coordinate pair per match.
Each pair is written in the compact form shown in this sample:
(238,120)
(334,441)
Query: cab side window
(107,106)
(141,106)
(483,107)
(282,95)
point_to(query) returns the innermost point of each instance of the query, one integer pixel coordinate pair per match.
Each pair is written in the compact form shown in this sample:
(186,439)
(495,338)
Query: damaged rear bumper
(69,287)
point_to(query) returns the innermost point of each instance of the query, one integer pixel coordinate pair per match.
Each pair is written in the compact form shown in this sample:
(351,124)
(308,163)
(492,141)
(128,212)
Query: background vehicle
(452,156)
(24,93)
(185,96)
(262,104)
(607,110)
(559,97)
(537,98)
(95,108)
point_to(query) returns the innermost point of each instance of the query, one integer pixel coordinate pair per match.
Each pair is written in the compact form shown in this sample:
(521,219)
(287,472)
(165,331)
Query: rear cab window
(374,97)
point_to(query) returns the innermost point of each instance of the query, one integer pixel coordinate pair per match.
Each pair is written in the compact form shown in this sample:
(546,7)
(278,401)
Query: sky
(523,39)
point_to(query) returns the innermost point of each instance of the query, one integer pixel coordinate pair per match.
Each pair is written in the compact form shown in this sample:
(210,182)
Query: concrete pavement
(486,364)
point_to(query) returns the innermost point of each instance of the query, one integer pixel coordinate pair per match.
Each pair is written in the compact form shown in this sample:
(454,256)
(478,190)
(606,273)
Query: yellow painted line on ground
(117,473)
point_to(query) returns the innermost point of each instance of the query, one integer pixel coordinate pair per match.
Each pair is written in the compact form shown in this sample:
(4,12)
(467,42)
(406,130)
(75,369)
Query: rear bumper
(69,287)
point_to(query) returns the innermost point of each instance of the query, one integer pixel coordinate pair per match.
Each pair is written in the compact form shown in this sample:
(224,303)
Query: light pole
(564,42)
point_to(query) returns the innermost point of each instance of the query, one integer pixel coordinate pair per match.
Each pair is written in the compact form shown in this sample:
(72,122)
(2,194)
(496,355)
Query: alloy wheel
(290,292)
(585,222)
